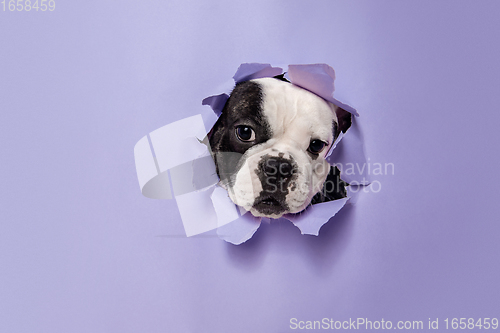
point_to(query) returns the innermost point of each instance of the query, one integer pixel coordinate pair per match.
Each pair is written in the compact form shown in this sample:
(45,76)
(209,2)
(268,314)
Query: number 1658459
(28,5)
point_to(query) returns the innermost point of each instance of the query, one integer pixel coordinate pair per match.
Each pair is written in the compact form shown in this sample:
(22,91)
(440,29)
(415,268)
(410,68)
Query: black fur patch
(281,77)
(244,107)
(333,188)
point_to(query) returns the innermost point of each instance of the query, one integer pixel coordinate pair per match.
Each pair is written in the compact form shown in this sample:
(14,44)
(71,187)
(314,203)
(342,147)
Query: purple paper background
(81,250)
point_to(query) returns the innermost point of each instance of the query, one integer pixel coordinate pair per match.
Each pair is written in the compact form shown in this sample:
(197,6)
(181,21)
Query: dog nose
(278,167)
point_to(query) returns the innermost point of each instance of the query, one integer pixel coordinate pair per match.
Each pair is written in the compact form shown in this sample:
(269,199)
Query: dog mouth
(269,206)
(270,202)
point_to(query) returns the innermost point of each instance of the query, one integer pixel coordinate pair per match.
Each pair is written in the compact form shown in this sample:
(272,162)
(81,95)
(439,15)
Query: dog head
(270,144)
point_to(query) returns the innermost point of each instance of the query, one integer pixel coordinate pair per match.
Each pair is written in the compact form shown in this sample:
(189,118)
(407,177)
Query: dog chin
(257,213)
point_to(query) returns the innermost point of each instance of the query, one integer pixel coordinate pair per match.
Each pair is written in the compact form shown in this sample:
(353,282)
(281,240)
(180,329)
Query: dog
(269,146)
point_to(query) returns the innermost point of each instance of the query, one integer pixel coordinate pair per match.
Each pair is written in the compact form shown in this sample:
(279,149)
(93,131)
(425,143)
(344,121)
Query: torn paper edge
(171,173)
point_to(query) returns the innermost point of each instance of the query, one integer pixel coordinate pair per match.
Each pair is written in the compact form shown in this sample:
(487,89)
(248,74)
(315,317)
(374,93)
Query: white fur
(296,117)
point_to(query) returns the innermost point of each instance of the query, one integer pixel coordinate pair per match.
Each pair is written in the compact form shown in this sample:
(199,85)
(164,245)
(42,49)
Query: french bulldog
(270,144)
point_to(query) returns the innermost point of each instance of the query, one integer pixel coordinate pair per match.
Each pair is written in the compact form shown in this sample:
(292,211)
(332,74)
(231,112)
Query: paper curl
(174,162)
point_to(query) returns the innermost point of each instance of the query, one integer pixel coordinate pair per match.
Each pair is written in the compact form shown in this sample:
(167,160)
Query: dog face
(270,143)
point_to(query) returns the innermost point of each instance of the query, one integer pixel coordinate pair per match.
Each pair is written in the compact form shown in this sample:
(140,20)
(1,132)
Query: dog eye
(245,133)
(316,146)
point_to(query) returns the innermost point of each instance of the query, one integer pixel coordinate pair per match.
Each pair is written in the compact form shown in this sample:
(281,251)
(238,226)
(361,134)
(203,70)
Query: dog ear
(215,140)
(216,133)
(281,77)
(344,119)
